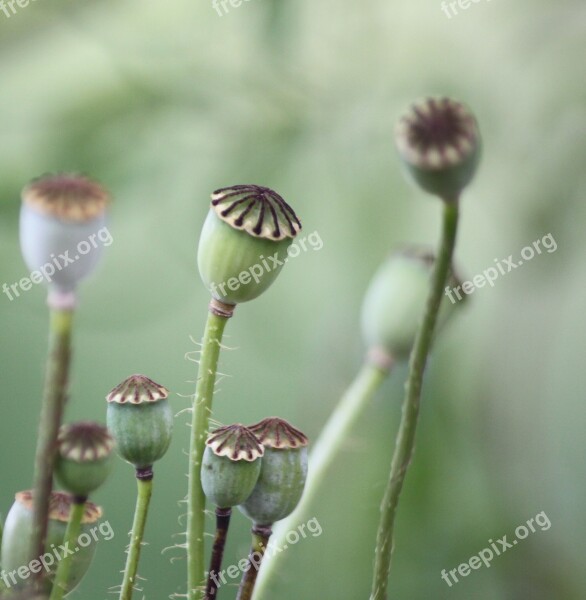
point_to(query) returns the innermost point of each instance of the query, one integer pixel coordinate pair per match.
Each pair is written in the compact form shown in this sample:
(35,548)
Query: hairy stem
(52,408)
(222,524)
(405,443)
(202,406)
(260,541)
(70,539)
(336,430)
(144,481)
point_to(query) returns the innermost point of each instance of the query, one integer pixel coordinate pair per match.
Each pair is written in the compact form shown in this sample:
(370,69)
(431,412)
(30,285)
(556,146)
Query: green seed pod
(141,420)
(282,475)
(231,465)
(439,142)
(17,562)
(62,232)
(84,458)
(244,241)
(395,301)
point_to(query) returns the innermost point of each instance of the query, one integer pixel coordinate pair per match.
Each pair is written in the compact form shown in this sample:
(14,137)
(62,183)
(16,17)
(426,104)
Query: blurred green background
(166,102)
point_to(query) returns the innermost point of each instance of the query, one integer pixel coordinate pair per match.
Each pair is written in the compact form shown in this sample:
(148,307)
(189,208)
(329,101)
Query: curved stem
(406,435)
(144,482)
(69,541)
(202,406)
(332,437)
(222,523)
(53,403)
(260,541)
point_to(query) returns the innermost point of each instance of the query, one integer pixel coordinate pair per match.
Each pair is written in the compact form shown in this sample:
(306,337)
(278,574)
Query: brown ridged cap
(258,210)
(85,442)
(67,196)
(235,442)
(279,434)
(60,506)
(137,389)
(437,133)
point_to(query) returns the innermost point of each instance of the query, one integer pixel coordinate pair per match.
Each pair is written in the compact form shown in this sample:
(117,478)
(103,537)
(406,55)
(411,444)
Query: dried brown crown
(236,442)
(60,505)
(67,196)
(137,389)
(85,442)
(437,133)
(259,211)
(279,434)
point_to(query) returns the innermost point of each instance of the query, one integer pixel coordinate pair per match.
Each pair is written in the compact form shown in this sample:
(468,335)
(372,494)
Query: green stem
(144,481)
(406,435)
(260,541)
(202,406)
(60,584)
(332,437)
(53,403)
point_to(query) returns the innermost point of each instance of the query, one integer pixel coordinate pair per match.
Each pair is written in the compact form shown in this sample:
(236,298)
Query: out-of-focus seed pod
(84,458)
(62,230)
(395,301)
(16,552)
(439,142)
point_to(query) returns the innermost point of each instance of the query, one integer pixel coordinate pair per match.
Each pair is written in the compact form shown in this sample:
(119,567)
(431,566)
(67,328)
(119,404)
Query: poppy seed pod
(62,222)
(16,552)
(244,241)
(84,457)
(141,420)
(439,142)
(231,465)
(282,475)
(395,301)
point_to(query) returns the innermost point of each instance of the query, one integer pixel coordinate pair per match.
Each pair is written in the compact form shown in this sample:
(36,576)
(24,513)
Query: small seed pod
(84,458)
(244,241)
(16,552)
(282,475)
(62,226)
(439,142)
(141,420)
(395,301)
(231,465)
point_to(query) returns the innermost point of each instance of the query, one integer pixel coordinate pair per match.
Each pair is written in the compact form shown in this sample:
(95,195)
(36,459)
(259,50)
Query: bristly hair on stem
(196,499)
